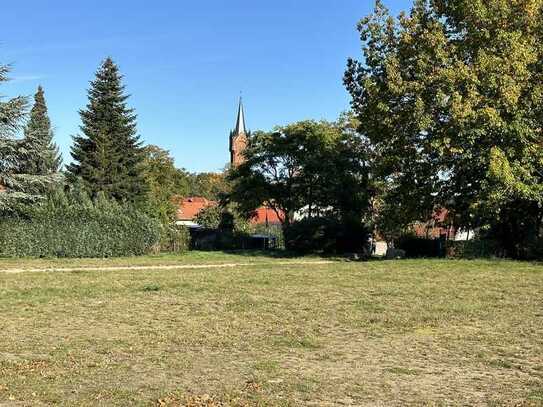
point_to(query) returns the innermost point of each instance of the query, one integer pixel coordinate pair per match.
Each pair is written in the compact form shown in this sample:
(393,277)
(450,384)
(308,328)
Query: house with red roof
(189,208)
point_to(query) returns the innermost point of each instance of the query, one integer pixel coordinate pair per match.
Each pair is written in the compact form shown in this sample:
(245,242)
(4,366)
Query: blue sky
(185,63)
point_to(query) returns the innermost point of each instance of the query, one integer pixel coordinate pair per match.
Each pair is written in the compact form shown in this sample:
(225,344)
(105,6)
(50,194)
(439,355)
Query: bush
(209,217)
(174,239)
(417,247)
(64,227)
(326,236)
(224,218)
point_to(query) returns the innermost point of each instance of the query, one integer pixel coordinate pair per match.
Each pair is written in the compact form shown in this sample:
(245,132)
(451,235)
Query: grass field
(271,332)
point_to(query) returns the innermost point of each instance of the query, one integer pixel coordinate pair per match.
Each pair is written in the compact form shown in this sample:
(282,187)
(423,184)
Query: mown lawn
(191,257)
(272,333)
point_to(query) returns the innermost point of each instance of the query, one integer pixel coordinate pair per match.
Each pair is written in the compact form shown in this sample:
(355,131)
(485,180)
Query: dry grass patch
(397,333)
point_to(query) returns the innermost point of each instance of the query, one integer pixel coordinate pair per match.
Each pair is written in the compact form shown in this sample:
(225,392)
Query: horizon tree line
(108,156)
(447,112)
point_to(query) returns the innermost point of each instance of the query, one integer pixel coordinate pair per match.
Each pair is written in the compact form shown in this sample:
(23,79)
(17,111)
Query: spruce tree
(108,154)
(45,158)
(17,187)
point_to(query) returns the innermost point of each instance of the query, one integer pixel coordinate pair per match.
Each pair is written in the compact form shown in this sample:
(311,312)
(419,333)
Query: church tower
(238,138)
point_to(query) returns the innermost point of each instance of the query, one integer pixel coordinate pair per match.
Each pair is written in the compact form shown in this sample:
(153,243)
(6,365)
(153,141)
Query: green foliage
(44,157)
(166,184)
(316,168)
(108,155)
(210,217)
(210,185)
(451,99)
(174,239)
(74,226)
(18,187)
(225,217)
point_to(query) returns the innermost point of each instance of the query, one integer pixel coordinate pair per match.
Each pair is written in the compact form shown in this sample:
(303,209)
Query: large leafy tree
(210,185)
(450,97)
(108,154)
(166,183)
(45,157)
(17,187)
(313,169)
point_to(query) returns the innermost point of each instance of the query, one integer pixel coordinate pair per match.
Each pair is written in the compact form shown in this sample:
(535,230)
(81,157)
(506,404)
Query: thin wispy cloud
(26,78)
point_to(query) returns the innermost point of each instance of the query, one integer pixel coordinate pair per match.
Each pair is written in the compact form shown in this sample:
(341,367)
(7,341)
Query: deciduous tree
(165,183)
(451,98)
(313,169)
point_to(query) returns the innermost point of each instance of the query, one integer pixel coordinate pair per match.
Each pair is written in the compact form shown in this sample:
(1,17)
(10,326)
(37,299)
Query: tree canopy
(108,155)
(308,168)
(451,98)
(165,183)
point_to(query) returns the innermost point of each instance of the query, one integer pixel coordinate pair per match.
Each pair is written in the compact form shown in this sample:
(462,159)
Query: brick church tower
(238,138)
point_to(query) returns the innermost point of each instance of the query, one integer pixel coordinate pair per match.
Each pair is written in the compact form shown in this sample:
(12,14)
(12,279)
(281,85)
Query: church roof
(240,122)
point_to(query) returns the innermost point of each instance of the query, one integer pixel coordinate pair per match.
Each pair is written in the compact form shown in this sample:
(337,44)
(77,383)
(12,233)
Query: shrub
(78,227)
(174,239)
(209,217)
(327,236)
(225,218)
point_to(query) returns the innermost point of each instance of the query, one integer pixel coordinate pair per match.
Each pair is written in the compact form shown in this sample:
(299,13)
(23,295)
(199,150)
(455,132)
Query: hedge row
(81,232)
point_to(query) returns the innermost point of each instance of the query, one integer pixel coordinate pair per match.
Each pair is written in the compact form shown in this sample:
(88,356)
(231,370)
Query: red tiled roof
(265,215)
(190,207)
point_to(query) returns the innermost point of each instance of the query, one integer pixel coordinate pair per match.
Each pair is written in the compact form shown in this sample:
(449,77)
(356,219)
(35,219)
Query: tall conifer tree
(45,157)
(17,186)
(108,155)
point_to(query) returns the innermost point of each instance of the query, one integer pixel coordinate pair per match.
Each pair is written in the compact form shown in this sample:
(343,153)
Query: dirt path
(161,267)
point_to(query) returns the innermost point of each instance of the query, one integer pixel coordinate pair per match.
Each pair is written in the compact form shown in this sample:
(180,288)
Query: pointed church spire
(240,123)
(238,138)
